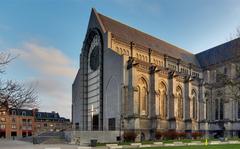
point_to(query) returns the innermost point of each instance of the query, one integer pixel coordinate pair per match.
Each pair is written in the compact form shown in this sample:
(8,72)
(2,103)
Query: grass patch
(227,146)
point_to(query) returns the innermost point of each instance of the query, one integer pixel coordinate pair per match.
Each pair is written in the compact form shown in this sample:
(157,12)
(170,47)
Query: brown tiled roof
(131,34)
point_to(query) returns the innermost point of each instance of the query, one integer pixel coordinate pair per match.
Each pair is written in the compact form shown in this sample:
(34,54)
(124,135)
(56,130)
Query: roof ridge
(99,19)
(233,40)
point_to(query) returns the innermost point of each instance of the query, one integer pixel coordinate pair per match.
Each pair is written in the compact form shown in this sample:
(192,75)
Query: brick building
(25,122)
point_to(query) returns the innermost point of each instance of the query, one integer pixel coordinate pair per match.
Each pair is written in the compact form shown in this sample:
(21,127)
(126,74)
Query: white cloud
(53,76)
(49,61)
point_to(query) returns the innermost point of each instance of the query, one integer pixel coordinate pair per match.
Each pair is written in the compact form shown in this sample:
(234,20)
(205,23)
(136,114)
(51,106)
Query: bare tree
(14,94)
(238,32)
(5,58)
(233,85)
(234,35)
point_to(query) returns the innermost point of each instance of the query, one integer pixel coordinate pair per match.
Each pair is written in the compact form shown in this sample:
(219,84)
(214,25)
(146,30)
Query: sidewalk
(14,144)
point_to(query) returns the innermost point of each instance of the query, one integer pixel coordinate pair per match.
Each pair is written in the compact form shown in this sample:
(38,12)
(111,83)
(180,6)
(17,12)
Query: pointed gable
(95,21)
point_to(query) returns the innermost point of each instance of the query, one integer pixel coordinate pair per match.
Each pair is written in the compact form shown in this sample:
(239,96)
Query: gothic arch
(178,103)
(88,39)
(162,100)
(142,78)
(143,95)
(216,109)
(221,109)
(193,104)
(137,100)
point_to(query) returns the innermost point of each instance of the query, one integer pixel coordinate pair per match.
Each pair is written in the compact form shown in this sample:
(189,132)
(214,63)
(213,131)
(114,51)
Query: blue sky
(47,35)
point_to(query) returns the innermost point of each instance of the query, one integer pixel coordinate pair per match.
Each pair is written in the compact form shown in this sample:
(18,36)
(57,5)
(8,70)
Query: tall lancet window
(208,110)
(238,112)
(163,101)
(157,102)
(143,96)
(144,101)
(193,105)
(221,109)
(178,103)
(216,109)
(137,100)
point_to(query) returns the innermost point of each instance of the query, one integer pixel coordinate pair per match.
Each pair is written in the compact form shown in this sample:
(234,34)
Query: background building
(131,81)
(24,122)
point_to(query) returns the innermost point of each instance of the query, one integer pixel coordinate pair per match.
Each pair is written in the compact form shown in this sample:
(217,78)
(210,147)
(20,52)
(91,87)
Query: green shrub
(181,135)
(158,135)
(170,134)
(129,136)
(197,135)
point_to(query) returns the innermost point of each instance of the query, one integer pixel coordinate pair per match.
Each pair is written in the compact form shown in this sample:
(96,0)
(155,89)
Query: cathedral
(131,81)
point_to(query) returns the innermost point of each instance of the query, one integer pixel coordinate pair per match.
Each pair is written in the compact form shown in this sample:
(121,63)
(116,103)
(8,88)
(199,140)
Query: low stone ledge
(233,142)
(195,143)
(218,142)
(84,147)
(158,143)
(145,146)
(115,147)
(169,144)
(108,145)
(136,144)
(179,144)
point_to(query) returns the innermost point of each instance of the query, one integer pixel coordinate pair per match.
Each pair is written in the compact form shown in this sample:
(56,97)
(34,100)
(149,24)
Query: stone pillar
(200,103)
(152,102)
(130,92)
(186,104)
(131,89)
(170,102)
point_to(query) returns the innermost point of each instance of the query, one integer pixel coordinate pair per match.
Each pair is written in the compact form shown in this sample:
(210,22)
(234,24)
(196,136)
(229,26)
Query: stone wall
(87,136)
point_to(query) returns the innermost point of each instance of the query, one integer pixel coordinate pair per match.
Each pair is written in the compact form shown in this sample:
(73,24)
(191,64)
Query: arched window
(137,101)
(143,96)
(216,109)
(207,110)
(144,101)
(221,109)
(157,103)
(178,108)
(163,101)
(238,109)
(193,105)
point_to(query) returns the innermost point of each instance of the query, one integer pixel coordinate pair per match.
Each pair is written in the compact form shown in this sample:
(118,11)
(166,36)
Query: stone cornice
(145,49)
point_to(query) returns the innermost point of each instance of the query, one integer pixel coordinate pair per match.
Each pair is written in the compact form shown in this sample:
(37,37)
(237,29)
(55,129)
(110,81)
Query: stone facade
(139,88)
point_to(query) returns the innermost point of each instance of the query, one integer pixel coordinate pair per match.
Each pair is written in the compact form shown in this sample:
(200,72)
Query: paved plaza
(10,144)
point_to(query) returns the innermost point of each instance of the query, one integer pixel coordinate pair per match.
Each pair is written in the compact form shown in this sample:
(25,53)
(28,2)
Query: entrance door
(2,134)
(95,122)
(24,134)
(13,134)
